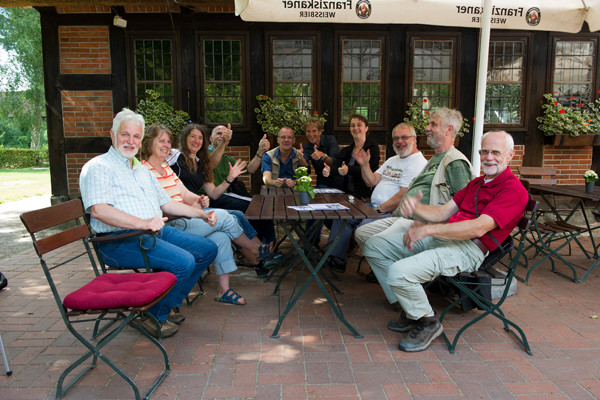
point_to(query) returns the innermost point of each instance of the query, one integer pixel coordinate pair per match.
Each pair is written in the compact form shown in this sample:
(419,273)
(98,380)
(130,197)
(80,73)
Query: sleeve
(95,185)
(374,161)
(307,151)
(458,175)
(383,167)
(331,147)
(266,164)
(507,206)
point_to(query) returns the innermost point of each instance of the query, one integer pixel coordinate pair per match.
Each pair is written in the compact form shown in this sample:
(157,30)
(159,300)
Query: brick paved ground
(224,351)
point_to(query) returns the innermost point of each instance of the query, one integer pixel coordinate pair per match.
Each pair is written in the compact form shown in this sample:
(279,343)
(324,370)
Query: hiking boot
(402,324)
(167,328)
(336,264)
(175,316)
(371,278)
(423,332)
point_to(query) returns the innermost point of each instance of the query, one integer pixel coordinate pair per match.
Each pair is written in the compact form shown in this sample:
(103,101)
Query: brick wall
(82,9)
(84,50)
(571,162)
(75,162)
(87,113)
(242,152)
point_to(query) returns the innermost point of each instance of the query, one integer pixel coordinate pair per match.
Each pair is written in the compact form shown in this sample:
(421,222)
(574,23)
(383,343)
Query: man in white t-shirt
(390,181)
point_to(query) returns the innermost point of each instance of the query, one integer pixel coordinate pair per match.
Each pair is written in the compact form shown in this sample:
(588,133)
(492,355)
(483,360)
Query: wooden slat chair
(111,298)
(492,272)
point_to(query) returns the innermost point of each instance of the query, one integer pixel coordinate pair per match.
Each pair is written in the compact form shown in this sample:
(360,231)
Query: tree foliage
(22,104)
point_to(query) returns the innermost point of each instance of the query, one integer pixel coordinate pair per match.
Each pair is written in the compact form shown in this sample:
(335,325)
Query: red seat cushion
(119,290)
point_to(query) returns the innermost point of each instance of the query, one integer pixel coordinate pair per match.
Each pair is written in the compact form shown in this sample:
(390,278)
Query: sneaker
(261,271)
(175,316)
(336,264)
(402,324)
(167,328)
(423,332)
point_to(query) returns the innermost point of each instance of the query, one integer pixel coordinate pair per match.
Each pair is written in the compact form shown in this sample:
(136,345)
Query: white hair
(126,115)
(510,143)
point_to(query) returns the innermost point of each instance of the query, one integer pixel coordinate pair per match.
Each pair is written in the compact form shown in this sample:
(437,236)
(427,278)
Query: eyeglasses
(485,153)
(403,138)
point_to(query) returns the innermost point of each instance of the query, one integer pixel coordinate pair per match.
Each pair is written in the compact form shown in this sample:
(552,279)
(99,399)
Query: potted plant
(272,114)
(571,121)
(590,179)
(155,110)
(303,185)
(418,117)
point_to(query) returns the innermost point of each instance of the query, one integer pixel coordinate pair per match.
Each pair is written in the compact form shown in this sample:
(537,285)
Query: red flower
(426,112)
(572,97)
(580,105)
(541,101)
(316,112)
(556,103)
(561,111)
(555,92)
(473,118)
(424,100)
(598,91)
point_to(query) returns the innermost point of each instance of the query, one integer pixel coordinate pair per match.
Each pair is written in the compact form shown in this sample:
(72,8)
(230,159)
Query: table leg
(313,276)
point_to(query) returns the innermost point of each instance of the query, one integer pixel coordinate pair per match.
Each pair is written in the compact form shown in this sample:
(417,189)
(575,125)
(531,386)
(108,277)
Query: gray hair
(449,117)
(126,115)
(510,143)
(405,125)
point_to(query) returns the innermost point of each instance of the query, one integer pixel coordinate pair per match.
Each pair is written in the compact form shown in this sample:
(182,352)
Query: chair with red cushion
(114,298)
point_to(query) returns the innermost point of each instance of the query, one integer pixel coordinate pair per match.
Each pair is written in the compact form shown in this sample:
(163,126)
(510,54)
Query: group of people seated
(436,218)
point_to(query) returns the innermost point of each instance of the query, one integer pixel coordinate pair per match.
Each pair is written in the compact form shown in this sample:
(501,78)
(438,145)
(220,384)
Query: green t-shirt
(220,173)
(458,174)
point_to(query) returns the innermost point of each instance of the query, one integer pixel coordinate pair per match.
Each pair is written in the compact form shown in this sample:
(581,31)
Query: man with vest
(278,165)
(447,172)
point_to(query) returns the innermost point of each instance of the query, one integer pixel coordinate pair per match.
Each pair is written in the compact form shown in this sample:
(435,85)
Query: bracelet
(258,155)
(228,181)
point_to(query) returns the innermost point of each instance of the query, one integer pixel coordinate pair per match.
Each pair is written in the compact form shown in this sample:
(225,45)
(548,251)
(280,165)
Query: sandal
(231,297)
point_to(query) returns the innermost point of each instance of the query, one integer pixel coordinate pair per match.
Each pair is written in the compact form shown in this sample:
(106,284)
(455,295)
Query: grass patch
(16,184)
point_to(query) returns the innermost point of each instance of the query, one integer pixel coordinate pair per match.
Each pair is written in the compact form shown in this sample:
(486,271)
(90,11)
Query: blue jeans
(265,229)
(183,254)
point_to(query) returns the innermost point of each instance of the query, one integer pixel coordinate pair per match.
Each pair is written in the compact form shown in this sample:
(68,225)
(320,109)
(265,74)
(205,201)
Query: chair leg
(4,358)
(189,301)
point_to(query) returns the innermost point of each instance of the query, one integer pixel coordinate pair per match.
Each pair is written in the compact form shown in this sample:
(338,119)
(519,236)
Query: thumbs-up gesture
(227,134)
(410,204)
(343,170)
(326,170)
(316,155)
(263,145)
(299,152)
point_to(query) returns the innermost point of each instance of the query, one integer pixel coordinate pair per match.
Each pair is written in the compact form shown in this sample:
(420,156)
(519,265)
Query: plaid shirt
(109,179)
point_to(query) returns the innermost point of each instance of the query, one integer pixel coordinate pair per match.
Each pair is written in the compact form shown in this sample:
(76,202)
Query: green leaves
(155,110)
(273,114)
(419,119)
(575,119)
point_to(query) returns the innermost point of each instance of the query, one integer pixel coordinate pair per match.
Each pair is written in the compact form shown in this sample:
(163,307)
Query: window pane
(504,91)
(433,73)
(574,63)
(153,68)
(361,79)
(223,81)
(292,71)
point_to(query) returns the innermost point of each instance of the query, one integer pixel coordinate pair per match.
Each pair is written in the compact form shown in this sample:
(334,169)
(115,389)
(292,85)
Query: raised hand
(316,155)
(326,170)
(227,134)
(343,170)
(236,170)
(263,145)
(363,157)
(410,204)
(299,152)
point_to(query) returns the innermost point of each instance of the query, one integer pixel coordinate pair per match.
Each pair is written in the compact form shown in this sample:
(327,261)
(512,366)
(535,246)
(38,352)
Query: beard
(127,153)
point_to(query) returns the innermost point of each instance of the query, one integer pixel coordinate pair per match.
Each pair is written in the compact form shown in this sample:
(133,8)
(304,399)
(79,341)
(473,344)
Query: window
(504,100)
(362,91)
(154,68)
(573,70)
(433,72)
(293,72)
(222,80)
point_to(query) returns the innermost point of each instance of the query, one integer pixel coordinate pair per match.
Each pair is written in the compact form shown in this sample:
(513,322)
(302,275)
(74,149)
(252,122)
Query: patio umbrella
(545,15)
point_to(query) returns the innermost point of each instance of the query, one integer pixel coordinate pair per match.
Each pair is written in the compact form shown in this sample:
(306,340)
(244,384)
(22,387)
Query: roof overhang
(50,3)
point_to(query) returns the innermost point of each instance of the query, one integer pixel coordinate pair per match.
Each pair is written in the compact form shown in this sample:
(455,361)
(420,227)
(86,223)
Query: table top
(577,191)
(273,206)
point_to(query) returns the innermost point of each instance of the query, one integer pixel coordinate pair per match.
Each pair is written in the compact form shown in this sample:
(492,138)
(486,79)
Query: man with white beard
(455,237)
(390,182)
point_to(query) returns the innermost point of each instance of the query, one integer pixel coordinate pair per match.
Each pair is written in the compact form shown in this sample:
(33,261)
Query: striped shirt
(110,179)
(168,181)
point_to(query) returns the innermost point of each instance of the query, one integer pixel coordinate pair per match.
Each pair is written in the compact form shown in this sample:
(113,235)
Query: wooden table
(273,205)
(577,192)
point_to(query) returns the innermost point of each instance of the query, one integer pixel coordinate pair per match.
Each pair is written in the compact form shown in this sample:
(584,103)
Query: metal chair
(476,286)
(111,298)
(6,367)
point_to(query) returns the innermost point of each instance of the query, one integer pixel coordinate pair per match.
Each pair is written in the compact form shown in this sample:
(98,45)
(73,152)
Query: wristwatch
(324,157)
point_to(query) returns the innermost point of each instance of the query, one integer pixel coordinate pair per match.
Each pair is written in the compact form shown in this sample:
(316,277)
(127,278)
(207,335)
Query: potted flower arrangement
(272,114)
(575,119)
(303,185)
(590,179)
(418,117)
